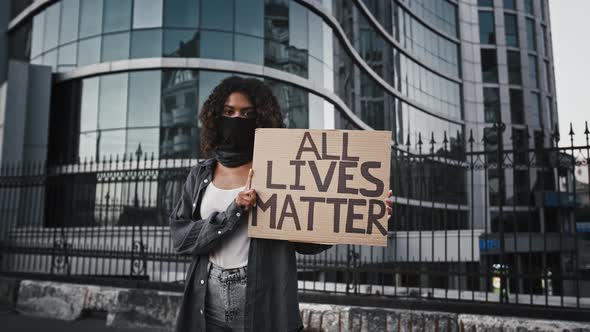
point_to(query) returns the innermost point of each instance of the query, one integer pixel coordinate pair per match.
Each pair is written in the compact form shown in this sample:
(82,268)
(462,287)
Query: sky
(570,25)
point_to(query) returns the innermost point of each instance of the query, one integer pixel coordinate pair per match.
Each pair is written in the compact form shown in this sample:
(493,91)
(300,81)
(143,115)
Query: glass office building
(131,72)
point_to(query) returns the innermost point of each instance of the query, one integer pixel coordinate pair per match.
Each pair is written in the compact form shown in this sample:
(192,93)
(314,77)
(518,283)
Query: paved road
(13,322)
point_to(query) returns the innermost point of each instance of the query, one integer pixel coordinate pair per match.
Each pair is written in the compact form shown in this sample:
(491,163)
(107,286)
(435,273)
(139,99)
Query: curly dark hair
(268,112)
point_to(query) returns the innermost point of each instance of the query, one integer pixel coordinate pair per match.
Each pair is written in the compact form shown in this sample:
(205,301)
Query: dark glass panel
(52,18)
(90,18)
(67,57)
(38,35)
(89,104)
(179,115)
(89,51)
(146,44)
(250,17)
(535,110)
(533,77)
(115,47)
(217,14)
(181,13)
(487,30)
(111,143)
(249,49)
(511,28)
(529,7)
(112,107)
(491,102)
(144,98)
(216,45)
(485,3)
(117,15)
(510,4)
(181,43)
(530,33)
(70,11)
(516,106)
(514,68)
(149,140)
(147,14)
(489,66)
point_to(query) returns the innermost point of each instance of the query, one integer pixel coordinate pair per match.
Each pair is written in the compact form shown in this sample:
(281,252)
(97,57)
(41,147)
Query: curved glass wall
(441,14)
(422,41)
(109,116)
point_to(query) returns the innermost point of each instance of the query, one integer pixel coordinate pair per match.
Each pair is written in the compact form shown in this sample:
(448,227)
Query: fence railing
(502,219)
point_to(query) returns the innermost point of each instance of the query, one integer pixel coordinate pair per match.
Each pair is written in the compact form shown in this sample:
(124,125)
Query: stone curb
(8,292)
(158,309)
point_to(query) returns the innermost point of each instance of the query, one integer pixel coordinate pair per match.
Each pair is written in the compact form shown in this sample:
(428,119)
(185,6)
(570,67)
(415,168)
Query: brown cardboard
(359,162)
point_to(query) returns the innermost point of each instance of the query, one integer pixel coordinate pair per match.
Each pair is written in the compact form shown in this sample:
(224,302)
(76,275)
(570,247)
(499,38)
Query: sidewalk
(13,322)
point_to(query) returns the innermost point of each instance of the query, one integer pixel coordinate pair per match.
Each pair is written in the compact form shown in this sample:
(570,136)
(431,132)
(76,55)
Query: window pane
(117,15)
(485,3)
(530,32)
(516,111)
(548,77)
(487,32)
(52,26)
(112,109)
(535,111)
(149,140)
(514,68)
(67,56)
(87,147)
(491,102)
(249,49)
(144,99)
(489,66)
(115,47)
(89,104)
(111,143)
(510,4)
(90,17)
(181,13)
(50,59)
(529,7)
(216,45)
(298,26)
(511,26)
(38,34)
(218,14)
(70,10)
(89,51)
(207,81)
(147,14)
(181,43)
(250,18)
(146,44)
(179,113)
(316,40)
(533,79)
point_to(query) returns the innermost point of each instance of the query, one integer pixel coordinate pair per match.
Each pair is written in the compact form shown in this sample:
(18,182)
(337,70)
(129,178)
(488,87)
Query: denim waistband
(237,273)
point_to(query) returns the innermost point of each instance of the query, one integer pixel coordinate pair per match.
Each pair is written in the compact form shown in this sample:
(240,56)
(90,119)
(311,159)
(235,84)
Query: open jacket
(271,291)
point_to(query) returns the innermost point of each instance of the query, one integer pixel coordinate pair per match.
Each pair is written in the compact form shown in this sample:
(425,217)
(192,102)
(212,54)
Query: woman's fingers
(246,198)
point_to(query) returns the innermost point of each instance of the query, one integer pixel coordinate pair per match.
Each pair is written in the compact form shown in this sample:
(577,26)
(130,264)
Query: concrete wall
(26,116)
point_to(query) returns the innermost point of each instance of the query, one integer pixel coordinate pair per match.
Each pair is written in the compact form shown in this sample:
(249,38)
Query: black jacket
(271,292)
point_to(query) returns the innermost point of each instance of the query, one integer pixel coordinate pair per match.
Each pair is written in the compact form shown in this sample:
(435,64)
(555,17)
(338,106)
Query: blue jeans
(226,299)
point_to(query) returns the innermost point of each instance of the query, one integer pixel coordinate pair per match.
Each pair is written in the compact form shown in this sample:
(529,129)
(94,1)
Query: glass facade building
(131,72)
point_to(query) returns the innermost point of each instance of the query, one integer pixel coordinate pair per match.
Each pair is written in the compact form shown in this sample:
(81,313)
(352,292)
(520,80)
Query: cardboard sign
(321,186)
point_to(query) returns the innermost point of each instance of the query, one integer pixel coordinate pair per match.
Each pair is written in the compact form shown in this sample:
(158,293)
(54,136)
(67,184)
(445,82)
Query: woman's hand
(247,197)
(388,203)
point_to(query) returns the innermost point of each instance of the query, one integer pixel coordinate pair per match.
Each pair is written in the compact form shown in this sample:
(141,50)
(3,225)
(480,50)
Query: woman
(233,282)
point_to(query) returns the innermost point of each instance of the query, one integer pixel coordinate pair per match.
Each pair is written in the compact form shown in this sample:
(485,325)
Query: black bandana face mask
(236,141)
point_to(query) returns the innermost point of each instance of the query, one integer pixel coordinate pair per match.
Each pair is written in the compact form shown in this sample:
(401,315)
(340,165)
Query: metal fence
(501,220)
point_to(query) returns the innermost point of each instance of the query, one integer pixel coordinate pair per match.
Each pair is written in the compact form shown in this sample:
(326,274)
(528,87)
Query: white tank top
(233,250)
